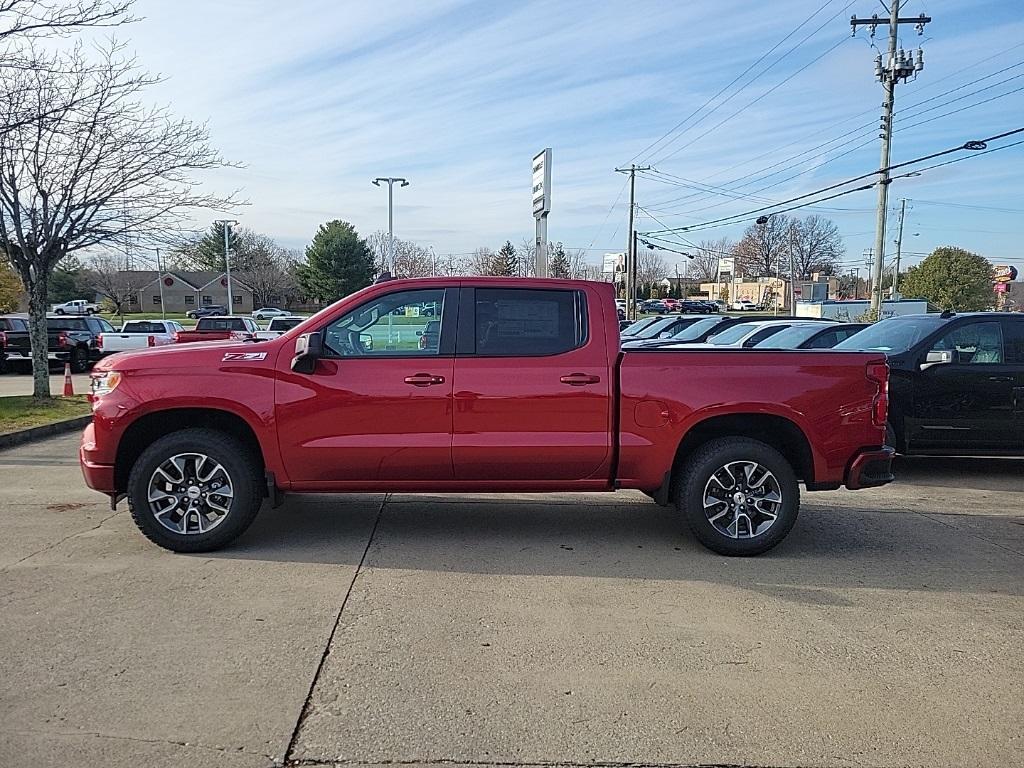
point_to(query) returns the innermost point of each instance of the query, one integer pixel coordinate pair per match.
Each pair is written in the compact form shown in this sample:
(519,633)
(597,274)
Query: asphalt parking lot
(499,630)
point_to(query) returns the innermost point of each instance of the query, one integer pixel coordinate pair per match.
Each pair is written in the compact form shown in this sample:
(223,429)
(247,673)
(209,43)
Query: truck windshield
(895,335)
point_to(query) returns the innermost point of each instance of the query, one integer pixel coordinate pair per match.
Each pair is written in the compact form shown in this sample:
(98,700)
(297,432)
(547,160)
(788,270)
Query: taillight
(151,341)
(3,338)
(99,341)
(423,342)
(62,339)
(879,373)
(175,337)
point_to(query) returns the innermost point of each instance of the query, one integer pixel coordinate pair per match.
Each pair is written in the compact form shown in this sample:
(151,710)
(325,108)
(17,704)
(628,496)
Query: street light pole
(160,281)
(391,216)
(226,224)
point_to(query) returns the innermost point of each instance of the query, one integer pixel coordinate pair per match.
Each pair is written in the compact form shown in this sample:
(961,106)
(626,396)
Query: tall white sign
(541,209)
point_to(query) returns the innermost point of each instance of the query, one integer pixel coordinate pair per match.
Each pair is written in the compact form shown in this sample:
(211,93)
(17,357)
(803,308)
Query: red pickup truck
(522,388)
(219,328)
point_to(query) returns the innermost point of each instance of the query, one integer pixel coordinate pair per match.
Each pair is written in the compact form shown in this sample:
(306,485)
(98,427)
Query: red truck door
(532,386)
(379,405)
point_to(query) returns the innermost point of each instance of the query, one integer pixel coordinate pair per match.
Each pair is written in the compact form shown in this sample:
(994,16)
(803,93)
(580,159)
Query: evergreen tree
(338,262)
(559,265)
(506,261)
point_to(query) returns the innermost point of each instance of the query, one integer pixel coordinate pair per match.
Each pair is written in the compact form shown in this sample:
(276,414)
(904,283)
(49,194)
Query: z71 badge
(242,357)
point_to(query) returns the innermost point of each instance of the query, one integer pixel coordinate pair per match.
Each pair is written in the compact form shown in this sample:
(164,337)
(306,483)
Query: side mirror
(937,357)
(367,341)
(308,349)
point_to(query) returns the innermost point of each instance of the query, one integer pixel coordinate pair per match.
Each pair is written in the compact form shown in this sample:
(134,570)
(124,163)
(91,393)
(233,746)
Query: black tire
(710,458)
(241,467)
(59,312)
(79,360)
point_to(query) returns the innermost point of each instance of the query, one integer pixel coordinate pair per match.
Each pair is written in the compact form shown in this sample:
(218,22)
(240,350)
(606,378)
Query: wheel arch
(150,427)
(781,433)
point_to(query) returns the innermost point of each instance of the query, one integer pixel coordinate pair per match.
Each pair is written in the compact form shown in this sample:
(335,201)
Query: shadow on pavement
(973,472)
(829,548)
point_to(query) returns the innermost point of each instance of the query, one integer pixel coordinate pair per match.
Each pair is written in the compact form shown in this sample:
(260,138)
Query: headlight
(103,383)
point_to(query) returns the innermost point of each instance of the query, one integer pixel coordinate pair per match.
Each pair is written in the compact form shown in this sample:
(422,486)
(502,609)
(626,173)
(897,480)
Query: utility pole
(899,248)
(160,280)
(631,240)
(390,265)
(226,224)
(792,273)
(898,65)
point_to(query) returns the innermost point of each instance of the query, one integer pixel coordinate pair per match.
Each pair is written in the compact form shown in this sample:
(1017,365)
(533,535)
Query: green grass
(22,412)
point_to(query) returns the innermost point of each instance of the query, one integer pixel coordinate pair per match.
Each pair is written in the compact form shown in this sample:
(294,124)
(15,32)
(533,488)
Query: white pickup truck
(139,334)
(76,307)
(278,326)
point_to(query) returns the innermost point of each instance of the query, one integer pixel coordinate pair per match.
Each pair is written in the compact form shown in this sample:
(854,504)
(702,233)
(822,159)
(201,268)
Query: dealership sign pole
(541,209)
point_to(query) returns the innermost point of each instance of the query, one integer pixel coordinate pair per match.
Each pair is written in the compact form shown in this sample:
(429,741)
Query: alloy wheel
(742,499)
(190,493)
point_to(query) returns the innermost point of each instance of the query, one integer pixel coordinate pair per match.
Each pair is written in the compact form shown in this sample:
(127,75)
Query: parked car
(430,336)
(664,327)
(279,325)
(210,310)
(9,324)
(544,405)
(749,334)
(76,307)
(822,335)
(637,326)
(139,334)
(70,339)
(671,305)
(266,313)
(697,333)
(695,306)
(720,305)
(219,328)
(653,306)
(743,306)
(957,384)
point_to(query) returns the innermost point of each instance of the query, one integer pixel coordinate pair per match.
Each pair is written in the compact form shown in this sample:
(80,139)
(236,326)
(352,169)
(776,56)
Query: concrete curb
(23,436)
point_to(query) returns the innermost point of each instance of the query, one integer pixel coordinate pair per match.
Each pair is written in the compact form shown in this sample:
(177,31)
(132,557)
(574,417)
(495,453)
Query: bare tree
(817,246)
(481,262)
(267,269)
(451,265)
(92,167)
(704,265)
(107,276)
(28,19)
(759,251)
(650,267)
(579,269)
(410,259)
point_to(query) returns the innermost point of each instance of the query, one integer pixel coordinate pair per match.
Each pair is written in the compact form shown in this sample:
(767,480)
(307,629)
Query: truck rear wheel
(739,496)
(79,360)
(194,491)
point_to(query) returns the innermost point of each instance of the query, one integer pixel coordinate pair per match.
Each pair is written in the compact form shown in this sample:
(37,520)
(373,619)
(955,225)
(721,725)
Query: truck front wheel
(739,496)
(194,491)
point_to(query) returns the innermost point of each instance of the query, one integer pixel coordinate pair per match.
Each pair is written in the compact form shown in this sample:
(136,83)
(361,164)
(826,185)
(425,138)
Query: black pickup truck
(71,339)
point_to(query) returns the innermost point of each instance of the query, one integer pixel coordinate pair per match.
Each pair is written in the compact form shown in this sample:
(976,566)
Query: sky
(315,98)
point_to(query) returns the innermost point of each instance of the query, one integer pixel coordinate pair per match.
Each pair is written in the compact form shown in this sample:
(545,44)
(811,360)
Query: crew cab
(74,340)
(525,390)
(9,324)
(957,381)
(139,334)
(76,307)
(219,329)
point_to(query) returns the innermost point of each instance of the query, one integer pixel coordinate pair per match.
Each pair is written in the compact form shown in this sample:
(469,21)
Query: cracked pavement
(515,631)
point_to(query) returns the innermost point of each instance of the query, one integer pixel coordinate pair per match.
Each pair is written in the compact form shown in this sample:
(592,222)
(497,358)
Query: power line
(973,146)
(734,81)
(609,213)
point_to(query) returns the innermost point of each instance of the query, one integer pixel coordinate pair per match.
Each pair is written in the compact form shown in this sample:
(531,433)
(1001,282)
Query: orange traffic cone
(69,387)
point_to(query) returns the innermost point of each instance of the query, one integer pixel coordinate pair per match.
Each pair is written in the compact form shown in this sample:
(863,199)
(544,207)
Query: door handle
(424,380)
(579,379)
(1000,378)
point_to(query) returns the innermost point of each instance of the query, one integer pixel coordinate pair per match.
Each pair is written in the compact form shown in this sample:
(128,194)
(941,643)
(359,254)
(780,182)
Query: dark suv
(210,310)
(957,381)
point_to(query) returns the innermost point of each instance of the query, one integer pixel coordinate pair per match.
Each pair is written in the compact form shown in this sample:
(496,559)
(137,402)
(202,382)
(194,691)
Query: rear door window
(525,322)
(1013,341)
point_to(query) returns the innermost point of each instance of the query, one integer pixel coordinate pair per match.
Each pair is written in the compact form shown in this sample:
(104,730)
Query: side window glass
(524,322)
(974,343)
(406,323)
(1013,341)
(827,340)
(764,334)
